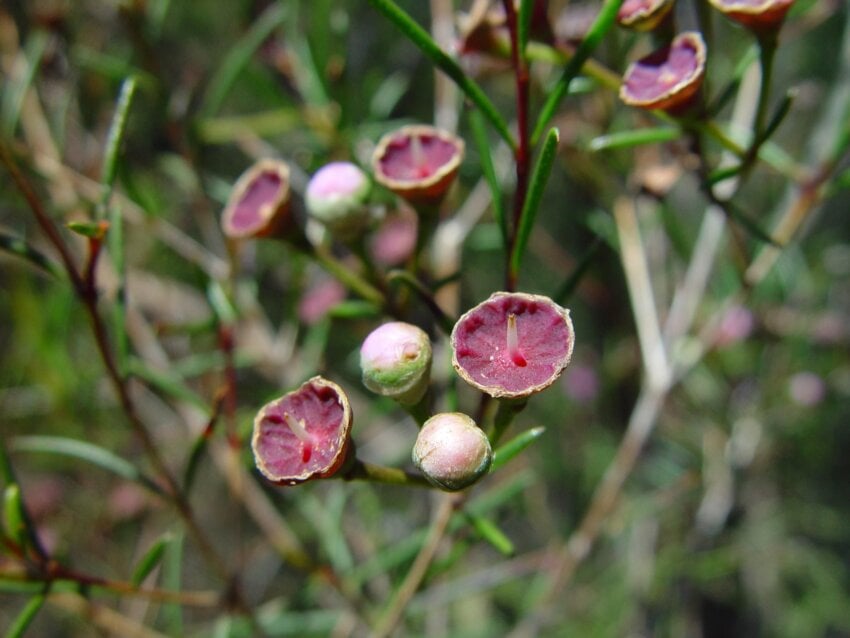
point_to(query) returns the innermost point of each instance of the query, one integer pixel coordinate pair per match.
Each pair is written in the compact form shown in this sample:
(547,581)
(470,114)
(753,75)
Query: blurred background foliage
(735,520)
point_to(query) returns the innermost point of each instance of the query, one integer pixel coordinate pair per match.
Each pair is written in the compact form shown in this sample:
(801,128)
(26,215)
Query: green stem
(445,322)
(348,277)
(361,470)
(767,53)
(507,410)
(420,411)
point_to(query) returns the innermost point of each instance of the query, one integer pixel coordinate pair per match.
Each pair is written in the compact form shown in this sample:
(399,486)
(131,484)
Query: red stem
(523,151)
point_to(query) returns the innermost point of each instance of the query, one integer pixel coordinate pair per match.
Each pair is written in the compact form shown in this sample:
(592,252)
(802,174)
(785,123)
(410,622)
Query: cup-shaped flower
(452,451)
(757,15)
(418,162)
(336,196)
(643,15)
(668,78)
(396,362)
(259,202)
(513,344)
(304,434)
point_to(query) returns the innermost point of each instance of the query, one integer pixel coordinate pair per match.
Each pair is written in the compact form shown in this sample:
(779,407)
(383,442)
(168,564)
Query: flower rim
(498,392)
(425,187)
(767,13)
(342,443)
(267,212)
(646,18)
(683,89)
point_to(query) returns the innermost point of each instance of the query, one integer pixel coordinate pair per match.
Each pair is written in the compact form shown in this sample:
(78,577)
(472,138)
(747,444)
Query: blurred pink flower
(736,325)
(581,383)
(318,299)
(806,388)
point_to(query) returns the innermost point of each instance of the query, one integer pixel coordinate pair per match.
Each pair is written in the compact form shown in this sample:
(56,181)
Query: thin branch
(397,606)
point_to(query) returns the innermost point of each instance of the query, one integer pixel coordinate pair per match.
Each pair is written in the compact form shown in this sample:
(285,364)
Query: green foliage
(712,501)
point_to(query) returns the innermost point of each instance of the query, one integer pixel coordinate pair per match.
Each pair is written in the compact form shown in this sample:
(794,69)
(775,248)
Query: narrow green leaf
(571,283)
(13,515)
(512,448)
(479,135)
(85,451)
(749,57)
(115,238)
(15,89)
(172,578)
(490,532)
(92,230)
(19,248)
(150,560)
(386,97)
(526,11)
(749,225)
(354,309)
(239,55)
(112,67)
(722,174)
(419,37)
(167,382)
(113,141)
(199,447)
(229,128)
(628,139)
(23,620)
(309,78)
(603,22)
(536,186)
(601,224)
(779,115)
(221,304)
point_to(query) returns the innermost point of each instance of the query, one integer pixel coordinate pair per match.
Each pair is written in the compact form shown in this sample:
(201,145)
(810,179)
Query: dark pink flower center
(416,157)
(657,73)
(300,434)
(512,343)
(264,189)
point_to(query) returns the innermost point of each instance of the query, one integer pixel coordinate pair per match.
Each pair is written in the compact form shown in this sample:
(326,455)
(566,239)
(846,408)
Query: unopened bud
(396,362)
(452,451)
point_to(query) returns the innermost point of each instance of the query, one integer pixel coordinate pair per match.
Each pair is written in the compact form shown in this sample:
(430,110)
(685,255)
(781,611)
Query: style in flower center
(420,162)
(513,343)
(299,429)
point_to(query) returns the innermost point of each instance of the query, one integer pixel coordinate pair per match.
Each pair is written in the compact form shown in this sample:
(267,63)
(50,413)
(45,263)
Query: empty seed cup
(643,15)
(259,203)
(756,15)
(418,162)
(304,434)
(512,345)
(667,79)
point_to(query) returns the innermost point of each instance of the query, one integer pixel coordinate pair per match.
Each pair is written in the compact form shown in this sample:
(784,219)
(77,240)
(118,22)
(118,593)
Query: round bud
(452,451)
(396,362)
(336,196)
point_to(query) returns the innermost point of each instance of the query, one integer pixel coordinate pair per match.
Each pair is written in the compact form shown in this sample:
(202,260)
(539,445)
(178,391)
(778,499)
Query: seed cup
(669,78)
(304,434)
(418,162)
(512,345)
(336,196)
(643,15)
(259,202)
(452,451)
(756,15)
(396,362)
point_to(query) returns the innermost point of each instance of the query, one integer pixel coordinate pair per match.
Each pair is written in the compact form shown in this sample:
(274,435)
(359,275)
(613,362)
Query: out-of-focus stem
(522,154)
